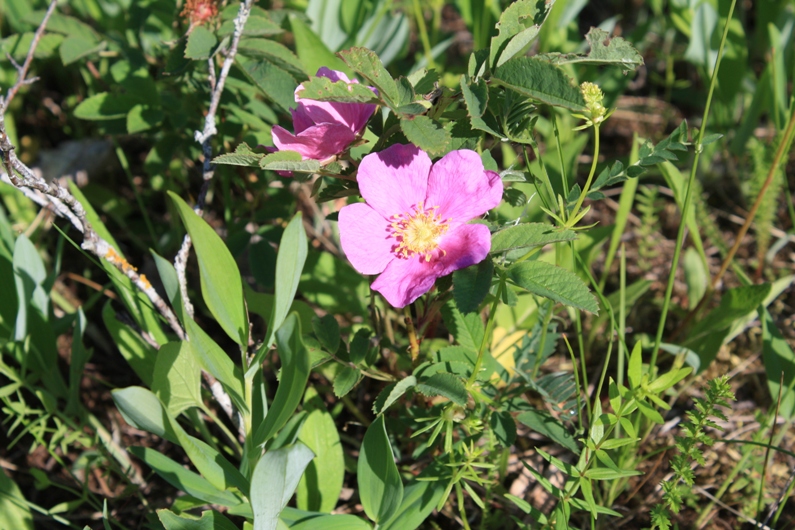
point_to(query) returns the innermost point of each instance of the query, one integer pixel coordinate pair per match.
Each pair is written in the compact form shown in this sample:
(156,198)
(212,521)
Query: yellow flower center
(418,232)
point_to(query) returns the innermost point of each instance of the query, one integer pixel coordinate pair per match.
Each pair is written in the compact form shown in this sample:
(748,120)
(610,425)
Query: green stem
(587,187)
(487,334)
(688,193)
(423,31)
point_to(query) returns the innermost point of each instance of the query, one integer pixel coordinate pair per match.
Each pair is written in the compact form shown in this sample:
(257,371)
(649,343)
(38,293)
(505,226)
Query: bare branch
(203,137)
(22,71)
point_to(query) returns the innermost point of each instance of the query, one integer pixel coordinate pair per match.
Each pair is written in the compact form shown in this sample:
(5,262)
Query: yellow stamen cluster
(593,100)
(418,232)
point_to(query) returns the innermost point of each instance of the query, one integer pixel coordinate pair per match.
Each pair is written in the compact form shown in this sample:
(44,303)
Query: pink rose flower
(323,129)
(412,229)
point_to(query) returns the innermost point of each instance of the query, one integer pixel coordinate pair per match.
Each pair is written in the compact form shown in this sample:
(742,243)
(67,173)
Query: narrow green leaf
(295,374)
(471,285)
(273,482)
(210,520)
(528,235)
(545,424)
(332,522)
(380,487)
(779,359)
(666,381)
(541,81)
(215,361)
(635,370)
(445,385)
(222,287)
(14,511)
(138,353)
(555,283)
(313,53)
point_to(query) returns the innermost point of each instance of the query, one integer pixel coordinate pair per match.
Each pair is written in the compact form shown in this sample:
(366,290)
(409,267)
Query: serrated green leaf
(345,380)
(426,134)
(327,331)
(605,50)
(243,156)
(288,161)
(324,89)
(273,81)
(528,235)
(201,43)
(275,52)
(380,486)
(468,329)
(518,27)
(392,393)
(541,81)
(471,285)
(368,65)
(445,385)
(555,283)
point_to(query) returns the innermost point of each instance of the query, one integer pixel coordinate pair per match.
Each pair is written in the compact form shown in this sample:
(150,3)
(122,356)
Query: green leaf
(504,427)
(666,381)
(14,511)
(210,520)
(476,97)
(215,361)
(76,47)
(345,380)
(313,53)
(141,409)
(368,65)
(288,161)
(275,83)
(528,235)
(321,484)
(467,329)
(360,345)
(222,287)
(380,487)
(324,89)
(177,377)
(635,370)
(273,482)
(605,50)
(471,285)
(426,134)
(183,479)
(332,522)
(779,359)
(243,156)
(142,118)
(392,393)
(327,331)
(445,385)
(274,52)
(420,498)
(105,106)
(545,424)
(201,43)
(295,374)
(138,353)
(555,283)
(519,26)
(541,81)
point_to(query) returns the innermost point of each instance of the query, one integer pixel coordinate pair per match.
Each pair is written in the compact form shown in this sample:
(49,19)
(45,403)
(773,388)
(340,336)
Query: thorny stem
(688,193)
(203,137)
(414,345)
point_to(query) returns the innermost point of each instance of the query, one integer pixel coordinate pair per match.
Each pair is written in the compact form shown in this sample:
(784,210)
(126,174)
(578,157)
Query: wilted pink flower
(413,228)
(323,129)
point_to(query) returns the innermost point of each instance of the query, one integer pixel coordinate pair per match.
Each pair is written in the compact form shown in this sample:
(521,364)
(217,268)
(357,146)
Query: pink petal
(394,180)
(316,143)
(463,246)
(301,120)
(364,235)
(461,188)
(405,280)
(353,115)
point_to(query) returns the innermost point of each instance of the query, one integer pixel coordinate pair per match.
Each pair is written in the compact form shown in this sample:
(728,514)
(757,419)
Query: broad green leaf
(380,486)
(467,329)
(471,285)
(476,97)
(288,161)
(105,106)
(324,89)
(137,352)
(295,373)
(143,117)
(222,287)
(555,283)
(327,331)
(332,522)
(274,82)
(183,479)
(360,345)
(420,498)
(426,134)
(528,235)
(275,52)
(504,427)
(541,81)
(544,423)
(311,50)
(140,408)
(273,482)
(518,28)
(177,377)
(605,50)
(201,43)
(243,156)
(392,393)
(321,484)
(210,520)
(262,304)
(14,510)
(445,385)
(259,22)
(215,361)
(345,379)
(779,359)
(76,47)
(367,63)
